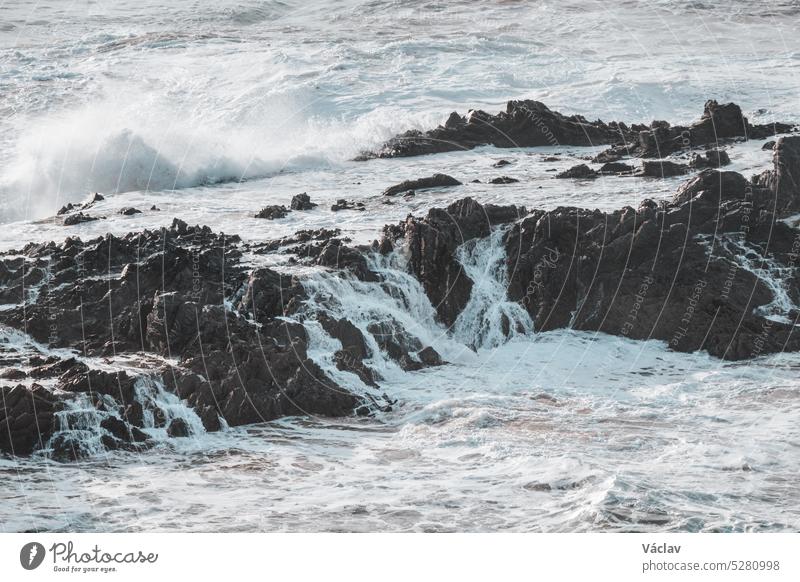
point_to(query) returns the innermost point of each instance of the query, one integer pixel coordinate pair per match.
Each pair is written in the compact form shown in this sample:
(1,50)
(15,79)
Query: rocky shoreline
(712,269)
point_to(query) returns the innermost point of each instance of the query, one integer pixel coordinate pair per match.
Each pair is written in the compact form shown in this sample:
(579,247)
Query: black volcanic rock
(673,271)
(719,123)
(434,181)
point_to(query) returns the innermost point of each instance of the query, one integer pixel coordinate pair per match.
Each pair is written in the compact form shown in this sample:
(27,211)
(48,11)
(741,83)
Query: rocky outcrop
(343,204)
(302,201)
(179,293)
(522,124)
(662,169)
(714,269)
(27,418)
(784,179)
(531,123)
(719,123)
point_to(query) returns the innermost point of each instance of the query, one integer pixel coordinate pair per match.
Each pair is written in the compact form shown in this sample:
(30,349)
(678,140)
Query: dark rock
(662,169)
(178,428)
(129,211)
(432,242)
(503,180)
(522,124)
(530,123)
(581,171)
(434,181)
(711,159)
(273,212)
(500,163)
(768,145)
(720,186)
(615,168)
(302,202)
(27,418)
(267,294)
(430,357)
(69,207)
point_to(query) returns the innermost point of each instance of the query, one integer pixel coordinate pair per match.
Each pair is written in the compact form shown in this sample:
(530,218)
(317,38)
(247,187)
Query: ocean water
(212,110)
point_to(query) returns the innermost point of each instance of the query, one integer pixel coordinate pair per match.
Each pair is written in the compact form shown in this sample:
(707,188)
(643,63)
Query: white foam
(489,319)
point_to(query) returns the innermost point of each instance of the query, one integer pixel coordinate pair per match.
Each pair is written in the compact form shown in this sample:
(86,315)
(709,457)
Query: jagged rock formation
(531,123)
(713,269)
(692,272)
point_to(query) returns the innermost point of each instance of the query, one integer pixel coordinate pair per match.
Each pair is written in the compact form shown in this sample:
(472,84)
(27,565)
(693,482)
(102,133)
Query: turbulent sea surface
(212,110)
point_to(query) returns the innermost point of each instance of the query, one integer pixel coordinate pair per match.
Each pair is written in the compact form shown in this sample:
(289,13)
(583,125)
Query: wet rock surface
(531,123)
(712,269)
(273,212)
(302,202)
(580,172)
(179,293)
(523,124)
(434,181)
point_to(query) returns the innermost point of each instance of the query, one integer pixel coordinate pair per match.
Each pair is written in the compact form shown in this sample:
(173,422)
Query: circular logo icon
(31,555)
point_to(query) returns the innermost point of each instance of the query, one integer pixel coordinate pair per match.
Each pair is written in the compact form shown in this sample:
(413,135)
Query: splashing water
(489,319)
